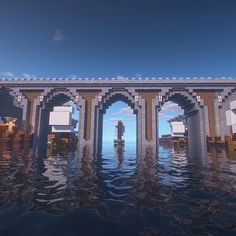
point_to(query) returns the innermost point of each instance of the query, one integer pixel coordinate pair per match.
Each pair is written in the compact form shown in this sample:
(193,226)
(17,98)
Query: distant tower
(120,129)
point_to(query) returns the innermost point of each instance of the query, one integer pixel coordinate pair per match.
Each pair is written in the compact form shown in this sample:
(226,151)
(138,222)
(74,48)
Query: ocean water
(69,192)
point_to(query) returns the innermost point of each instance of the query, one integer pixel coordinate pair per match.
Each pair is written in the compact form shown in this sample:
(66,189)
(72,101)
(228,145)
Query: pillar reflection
(147,184)
(119,153)
(86,182)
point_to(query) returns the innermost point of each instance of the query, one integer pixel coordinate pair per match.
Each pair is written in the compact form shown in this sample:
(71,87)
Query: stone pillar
(81,105)
(99,129)
(217,107)
(42,127)
(150,118)
(140,123)
(209,101)
(30,95)
(88,119)
(196,133)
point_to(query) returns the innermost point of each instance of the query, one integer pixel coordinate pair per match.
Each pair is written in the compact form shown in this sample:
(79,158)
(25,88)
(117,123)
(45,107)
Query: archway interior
(119,111)
(177,108)
(8,109)
(169,110)
(58,100)
(119,108)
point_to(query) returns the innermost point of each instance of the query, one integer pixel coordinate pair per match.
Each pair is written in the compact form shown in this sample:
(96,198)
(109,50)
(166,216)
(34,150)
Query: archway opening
(193,119)
(11,118)
(172,126)
(119,127)
(59,120)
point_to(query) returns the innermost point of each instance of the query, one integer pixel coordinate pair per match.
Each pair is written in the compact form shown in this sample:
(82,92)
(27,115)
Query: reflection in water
(119,192)
(173,167)
(119,153)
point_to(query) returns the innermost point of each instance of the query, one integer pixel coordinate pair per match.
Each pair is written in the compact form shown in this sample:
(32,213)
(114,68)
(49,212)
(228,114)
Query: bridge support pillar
(209,102)
(196,133)
(212,113)
(89,121)
(98,131)
(149,120)
(29,117)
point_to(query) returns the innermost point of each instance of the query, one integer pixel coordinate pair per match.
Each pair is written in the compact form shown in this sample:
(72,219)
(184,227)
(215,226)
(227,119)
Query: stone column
(88,119)
(99,129)
(196,133)
(30,95)
(217,106)
(150,118)
(140,123)
(209,101)
(81,122)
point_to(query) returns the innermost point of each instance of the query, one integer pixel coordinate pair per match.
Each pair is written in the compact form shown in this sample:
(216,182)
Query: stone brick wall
(210,119)
(209,97)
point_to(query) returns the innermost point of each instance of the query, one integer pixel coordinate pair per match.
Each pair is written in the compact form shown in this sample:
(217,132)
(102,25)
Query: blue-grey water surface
(66,192)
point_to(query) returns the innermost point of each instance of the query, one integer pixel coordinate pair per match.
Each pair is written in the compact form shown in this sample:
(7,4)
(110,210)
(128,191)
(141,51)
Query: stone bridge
(203,99)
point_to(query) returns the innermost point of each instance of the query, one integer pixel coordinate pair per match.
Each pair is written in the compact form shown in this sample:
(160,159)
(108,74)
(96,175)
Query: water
(45,192)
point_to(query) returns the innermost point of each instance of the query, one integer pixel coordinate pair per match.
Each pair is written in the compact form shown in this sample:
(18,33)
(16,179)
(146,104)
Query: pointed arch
(194,114)
(54,98)
(107,99)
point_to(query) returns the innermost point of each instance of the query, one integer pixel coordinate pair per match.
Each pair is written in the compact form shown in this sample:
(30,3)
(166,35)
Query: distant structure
(231,116)
(177,126)
(178,136)
(62,126)
(11,133)
(61,119)
(120,129)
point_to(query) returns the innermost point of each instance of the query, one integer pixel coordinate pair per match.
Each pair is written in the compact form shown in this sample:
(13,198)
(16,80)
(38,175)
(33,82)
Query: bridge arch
(107,100)
(51,99)
(193,113)
(182,98)
(114,96)
(55,97)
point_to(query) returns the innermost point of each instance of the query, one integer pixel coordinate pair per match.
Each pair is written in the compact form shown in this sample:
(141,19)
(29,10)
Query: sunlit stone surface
(56,192)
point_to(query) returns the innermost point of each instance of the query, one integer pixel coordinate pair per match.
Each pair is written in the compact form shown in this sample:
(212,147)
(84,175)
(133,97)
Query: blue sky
(91,38)
(127,37)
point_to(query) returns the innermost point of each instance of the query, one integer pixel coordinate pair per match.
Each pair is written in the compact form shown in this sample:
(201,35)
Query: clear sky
(105,38)
(125,37)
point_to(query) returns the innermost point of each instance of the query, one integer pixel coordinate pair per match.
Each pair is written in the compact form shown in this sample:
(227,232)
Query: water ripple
(154,195)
